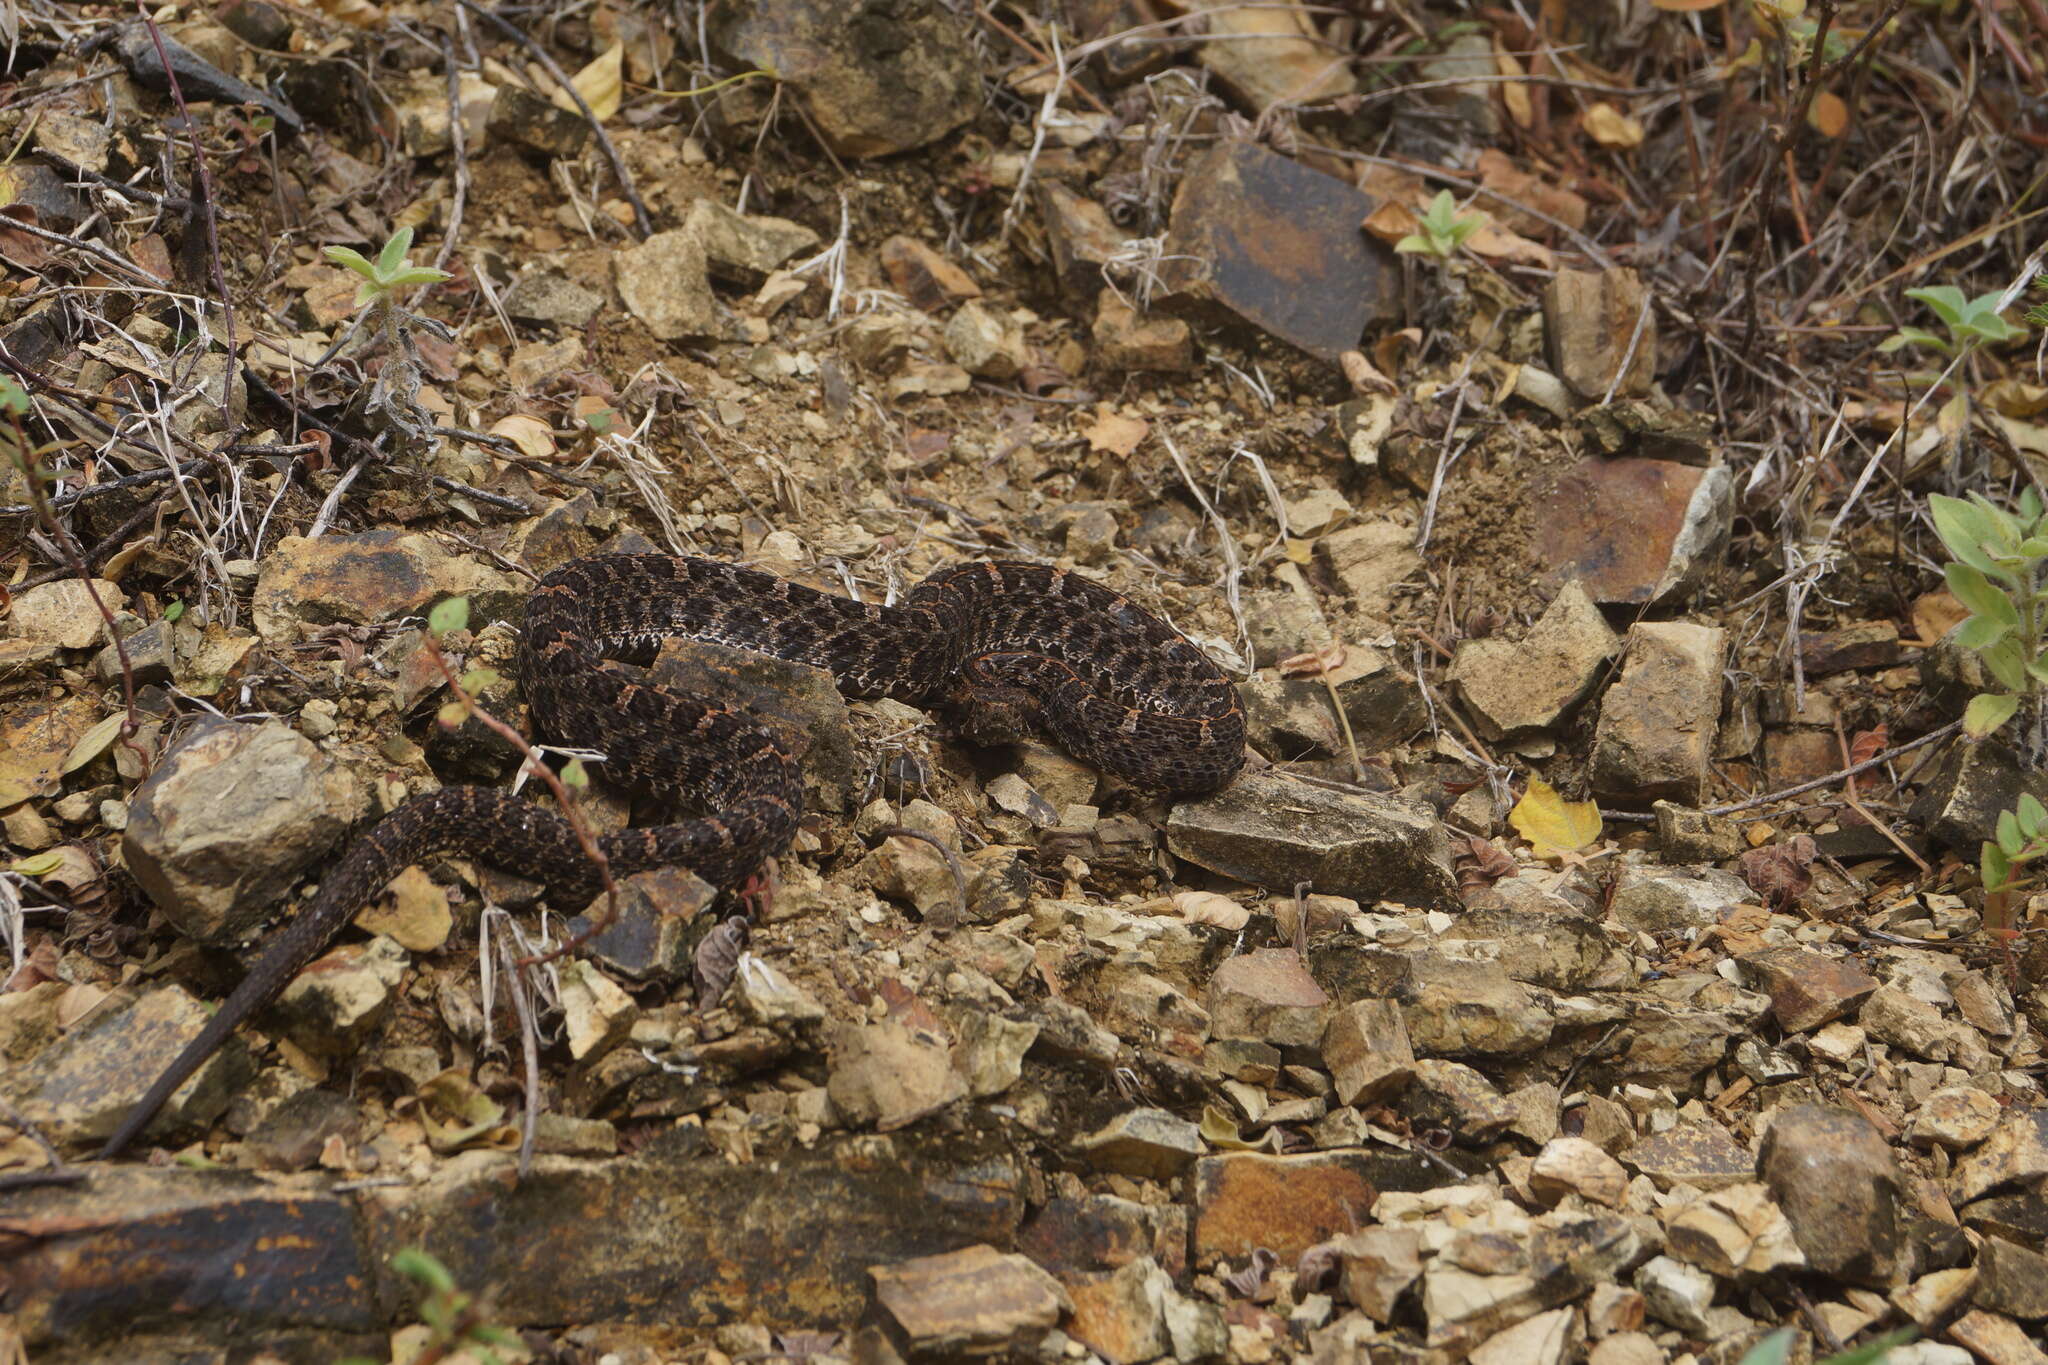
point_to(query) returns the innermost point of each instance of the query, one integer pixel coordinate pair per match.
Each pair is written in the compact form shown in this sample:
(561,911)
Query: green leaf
(2037,667)
(1964,529)
(2031,815)
(1414,245)
(450,613)
(2009,837)
(13,397)
(424,1269)
(1974,591)
(1774,1349)
(1981,633)
(476,680)
(2030,505)
(574,774)
(1993,866)
(1871,1352)
(416,274)
(451,715)
(1912,336)
(2004,528)
(38,864)
(1946,300)
(392,257)
(175,610)
(1441,214)
(2033,547)
(2006,664)
(1986,712)
(350,259)
(93,742)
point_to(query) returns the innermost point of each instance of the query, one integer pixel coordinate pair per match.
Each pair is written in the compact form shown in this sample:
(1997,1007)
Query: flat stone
(1634,531)
(1841,1188)
(1261,239)
(1267,995)
(973,1299)
(1287,1204)
(80,1086)
(665,282)
(1655,734)
(1676,1293)
(1149,1143)
(139,1250)
(1864,645)
(1511,687)
(1455,1097)
(1126,339)
(1996,1339)
(660,922)
(676,1233)
(1589,322)
(1647,428)
(1974,781)
(891,1073)
(1082,239)
(1547,1339)
(924,276)
(1808,989)
(894,80)
(1102,1232)
(1685,835)
(990,344)
(741,248)
(547,296)
(230,817)
(368,579)
(1701,1155)
(2015,1153)
(1265,57)
(2011,1279)
(341,997)
(1273,831)
(1736,1232)
(1652,899)
(1370,559)
(1377,1266)
(36,737)
(62,613)
(524,119)
(1119,1313)
(1461,1008)
(1366,1050)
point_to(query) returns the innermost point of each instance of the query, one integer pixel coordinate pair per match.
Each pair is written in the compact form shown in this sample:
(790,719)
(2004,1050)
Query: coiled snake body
(999,643)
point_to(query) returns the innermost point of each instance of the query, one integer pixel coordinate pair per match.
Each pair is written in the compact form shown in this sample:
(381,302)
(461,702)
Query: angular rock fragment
(894,79)
(1276,832)
(971,1300)
(1595,322)
(1842,1191)
(1514,686)
(1261,239)
(1634,531)
(1655,735)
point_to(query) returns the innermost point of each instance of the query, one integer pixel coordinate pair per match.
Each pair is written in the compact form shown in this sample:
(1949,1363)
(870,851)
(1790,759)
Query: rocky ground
(1592,962)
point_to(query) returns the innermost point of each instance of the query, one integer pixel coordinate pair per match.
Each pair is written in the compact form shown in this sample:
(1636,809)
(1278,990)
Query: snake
(1004,647)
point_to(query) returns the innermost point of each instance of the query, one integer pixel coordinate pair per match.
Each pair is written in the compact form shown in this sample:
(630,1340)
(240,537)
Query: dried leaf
(718,958)
(1935,614)
(1778,872)
(1392,221)
(535,439)
(93,743)
(1828,114)
(1114,434)
(1609,127)
(360,13)
(1552,825)
(1514,91)
(1685,6)
(601,83)
(1496,243)
(1206,907)
(1868,744)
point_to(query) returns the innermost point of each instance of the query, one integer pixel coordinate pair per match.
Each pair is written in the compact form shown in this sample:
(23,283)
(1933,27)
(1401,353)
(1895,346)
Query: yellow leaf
(601,83)
(1609,127)
(1828,114)
(1552,825)
(93,743)
(1514,90)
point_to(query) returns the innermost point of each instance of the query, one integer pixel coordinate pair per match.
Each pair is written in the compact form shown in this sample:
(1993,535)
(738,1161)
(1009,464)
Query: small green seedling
(2022,839)
(453,1319)
(1444,229)
(1776,1349)
(389,273)
(1970,322)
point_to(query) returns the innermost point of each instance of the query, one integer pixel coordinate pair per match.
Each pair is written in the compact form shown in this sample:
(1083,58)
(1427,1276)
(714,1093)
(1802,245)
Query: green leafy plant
(385,276)
(1776,1349)
(1997,573)
(2022,839)
(454,1320)
(1970,322)
(1444,229)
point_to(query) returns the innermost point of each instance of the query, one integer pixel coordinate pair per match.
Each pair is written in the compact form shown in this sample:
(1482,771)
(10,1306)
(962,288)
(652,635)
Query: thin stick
(1865,766)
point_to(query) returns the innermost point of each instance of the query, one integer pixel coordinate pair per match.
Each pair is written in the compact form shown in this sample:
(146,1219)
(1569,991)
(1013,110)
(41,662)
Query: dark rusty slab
(1262,238)
(1632,530)
(142,1250)
(679,1235)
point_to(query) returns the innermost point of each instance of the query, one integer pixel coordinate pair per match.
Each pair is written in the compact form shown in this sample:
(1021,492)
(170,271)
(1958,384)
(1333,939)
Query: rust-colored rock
(1634,531)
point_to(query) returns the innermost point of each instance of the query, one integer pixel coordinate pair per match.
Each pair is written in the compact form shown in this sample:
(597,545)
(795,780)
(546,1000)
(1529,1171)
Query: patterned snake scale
(998,643)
